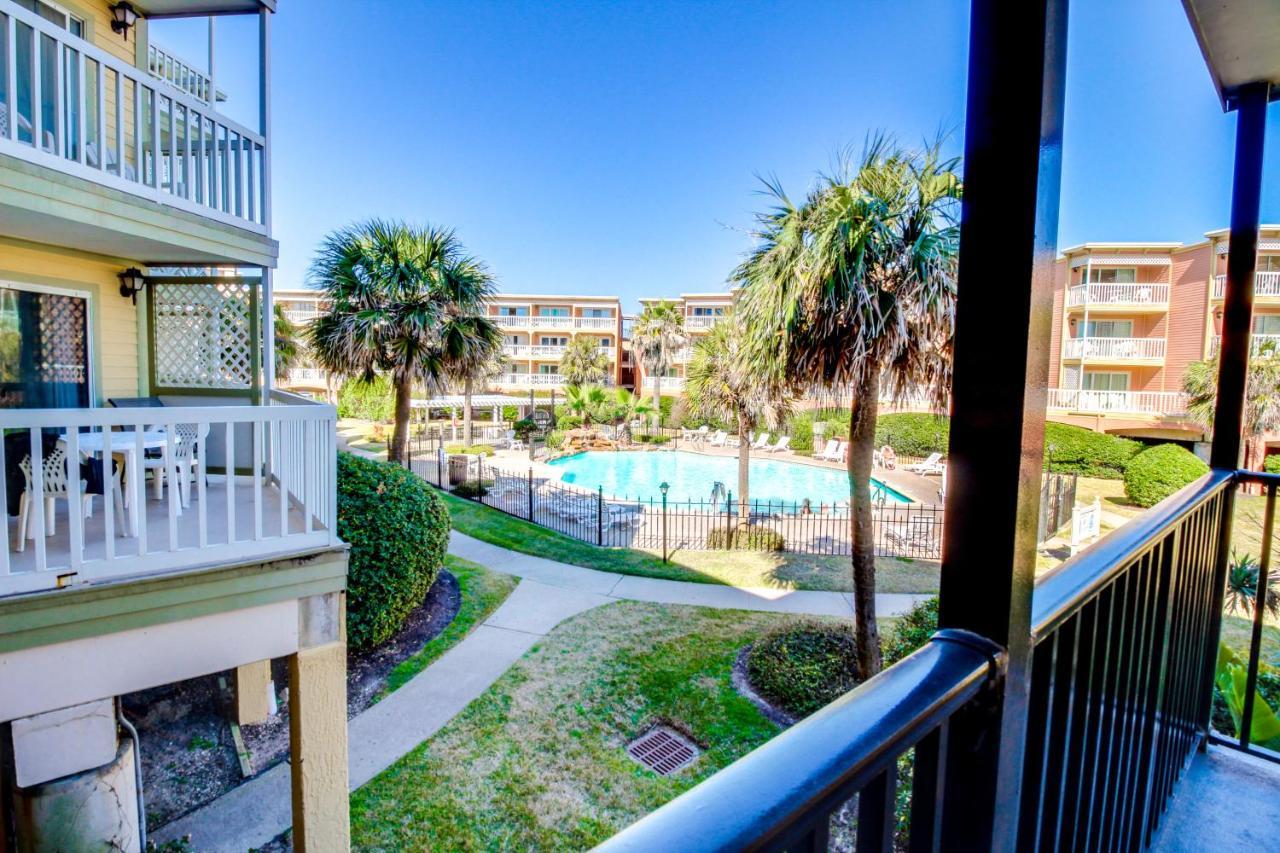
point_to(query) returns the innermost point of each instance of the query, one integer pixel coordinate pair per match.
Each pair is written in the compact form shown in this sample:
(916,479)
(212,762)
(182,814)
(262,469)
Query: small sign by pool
(693,476)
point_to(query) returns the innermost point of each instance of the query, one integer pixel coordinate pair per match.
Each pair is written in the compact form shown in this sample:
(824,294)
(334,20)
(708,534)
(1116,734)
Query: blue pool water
(692,475)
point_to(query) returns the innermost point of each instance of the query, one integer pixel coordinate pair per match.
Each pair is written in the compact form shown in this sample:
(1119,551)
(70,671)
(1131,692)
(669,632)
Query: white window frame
(1094,325)
(89,344)
(1091,373)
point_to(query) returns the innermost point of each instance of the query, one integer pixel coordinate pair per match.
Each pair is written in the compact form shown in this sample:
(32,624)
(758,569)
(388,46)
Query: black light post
(663,488)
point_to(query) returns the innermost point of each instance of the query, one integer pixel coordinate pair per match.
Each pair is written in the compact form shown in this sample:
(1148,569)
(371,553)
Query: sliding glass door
(44,348)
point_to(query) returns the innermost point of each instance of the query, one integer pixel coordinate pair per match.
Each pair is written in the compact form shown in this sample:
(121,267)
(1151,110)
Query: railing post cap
(988,648)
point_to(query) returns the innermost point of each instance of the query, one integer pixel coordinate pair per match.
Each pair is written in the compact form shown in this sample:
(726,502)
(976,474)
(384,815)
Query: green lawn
(538,761)
(734,568)
(481,591)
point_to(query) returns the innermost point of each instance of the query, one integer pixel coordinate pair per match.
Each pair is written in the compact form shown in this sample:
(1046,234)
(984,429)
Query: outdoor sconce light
(123,16)
(132,281)
(1217,321)
(663,488)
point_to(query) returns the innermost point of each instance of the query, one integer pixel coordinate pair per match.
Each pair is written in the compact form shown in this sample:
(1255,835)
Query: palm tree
(403,301)
(626,408)
(583,363)
(855,288)
(724,386)
(1261,404)
(288,349)
(657,335)
(480,358)
(585,402)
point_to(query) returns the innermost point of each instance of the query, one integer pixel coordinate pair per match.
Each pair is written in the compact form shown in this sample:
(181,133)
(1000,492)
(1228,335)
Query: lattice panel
(62,339)
(202,335)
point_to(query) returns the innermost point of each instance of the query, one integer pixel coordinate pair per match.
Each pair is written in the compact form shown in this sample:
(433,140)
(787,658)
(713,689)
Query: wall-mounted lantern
(1217,321)
(132,282)
(123,16)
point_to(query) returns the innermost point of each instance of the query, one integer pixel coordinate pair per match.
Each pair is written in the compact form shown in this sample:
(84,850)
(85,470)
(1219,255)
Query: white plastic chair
(514,443)
(186,449)
(55,488)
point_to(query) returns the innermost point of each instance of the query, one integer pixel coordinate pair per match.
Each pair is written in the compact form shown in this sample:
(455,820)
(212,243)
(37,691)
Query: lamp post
(663,488)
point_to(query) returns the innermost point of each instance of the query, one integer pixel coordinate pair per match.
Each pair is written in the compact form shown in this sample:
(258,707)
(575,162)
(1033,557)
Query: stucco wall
(114,346)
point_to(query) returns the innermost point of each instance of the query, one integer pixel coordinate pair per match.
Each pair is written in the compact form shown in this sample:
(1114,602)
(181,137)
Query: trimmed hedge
(369,401)
(472,489)
(398,530)
(1159,471)
(913,433)
(1272,464)
(754,538)
(802,667)
(1076,450)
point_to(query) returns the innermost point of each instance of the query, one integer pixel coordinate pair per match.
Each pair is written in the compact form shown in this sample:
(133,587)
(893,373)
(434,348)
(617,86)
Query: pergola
(454,402)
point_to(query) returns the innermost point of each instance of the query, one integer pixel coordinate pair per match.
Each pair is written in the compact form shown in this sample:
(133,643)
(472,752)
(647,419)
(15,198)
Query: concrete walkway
(549,592)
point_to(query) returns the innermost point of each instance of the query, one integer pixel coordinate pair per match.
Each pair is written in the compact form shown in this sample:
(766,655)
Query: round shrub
(564,423)
(802,667)
(913,433)
(473,489)
(753,538)
(1076,450)
(1159,471)
(555,439)
(398,529)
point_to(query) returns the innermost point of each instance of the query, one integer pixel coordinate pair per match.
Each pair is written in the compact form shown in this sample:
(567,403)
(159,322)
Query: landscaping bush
(1075,450)
(1272,464)
(802,667)
(1159,471)
(800,427)
(555,439)
(913,433)
(568,422)
(753,538)
(369,401)
(470,449)
(398,529)
(653,439)
(473,488)
(910,632)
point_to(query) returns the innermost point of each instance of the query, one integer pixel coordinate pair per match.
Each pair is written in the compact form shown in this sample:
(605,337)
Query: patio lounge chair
(783,444)
(888,458)
(932,465)
(761,442)
(842,452)
(918,537)
(827,454)
(719,439)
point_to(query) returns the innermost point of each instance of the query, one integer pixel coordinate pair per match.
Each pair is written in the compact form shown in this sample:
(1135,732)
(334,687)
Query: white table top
(122,441)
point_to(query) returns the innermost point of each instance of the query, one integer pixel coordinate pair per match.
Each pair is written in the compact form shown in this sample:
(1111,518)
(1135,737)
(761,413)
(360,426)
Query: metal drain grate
(663,750)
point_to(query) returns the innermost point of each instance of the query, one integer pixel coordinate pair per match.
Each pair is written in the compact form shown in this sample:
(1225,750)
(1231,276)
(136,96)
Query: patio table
(125,442)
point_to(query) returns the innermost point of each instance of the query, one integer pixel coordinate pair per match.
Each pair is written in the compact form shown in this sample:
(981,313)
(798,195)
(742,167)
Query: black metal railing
(1125,645)
(783,795)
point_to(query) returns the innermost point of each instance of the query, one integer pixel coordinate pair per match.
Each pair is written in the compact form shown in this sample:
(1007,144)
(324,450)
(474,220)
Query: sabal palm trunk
(744,474)
(466,412)
(656,418)
(400,432)
(862,440)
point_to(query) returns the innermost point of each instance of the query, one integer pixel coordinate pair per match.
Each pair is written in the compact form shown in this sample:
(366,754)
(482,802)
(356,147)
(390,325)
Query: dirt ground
(188,753)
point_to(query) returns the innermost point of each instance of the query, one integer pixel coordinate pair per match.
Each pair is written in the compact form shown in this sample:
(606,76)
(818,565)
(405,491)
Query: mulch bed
(188,755)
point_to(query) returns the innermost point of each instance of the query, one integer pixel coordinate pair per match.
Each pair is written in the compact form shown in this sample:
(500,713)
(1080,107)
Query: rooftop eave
(201,8)
(1240,42)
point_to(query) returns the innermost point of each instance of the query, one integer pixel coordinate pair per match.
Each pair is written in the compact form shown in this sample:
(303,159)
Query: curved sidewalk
(252,814)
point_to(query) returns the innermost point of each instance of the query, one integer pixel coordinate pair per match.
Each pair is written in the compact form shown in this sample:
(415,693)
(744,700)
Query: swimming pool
(692,476)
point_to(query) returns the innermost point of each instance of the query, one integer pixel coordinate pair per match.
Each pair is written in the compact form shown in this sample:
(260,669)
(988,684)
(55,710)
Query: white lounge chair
(783,444)
(761,442)
(932,465)
(719,439)
(842,452)
(827,454)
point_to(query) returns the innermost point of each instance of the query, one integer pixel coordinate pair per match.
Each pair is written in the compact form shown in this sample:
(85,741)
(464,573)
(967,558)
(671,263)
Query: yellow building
(169,513)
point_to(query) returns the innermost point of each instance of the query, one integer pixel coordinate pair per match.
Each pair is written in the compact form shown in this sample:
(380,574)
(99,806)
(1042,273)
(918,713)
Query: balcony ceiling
(200,8)
(1240,40)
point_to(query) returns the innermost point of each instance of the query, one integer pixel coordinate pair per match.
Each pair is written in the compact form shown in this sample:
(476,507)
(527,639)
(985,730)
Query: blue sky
(614,147)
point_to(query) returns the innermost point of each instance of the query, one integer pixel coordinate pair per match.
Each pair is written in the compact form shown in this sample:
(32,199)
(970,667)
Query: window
(553,312)
(1113,275)
(597,312)
(1266,324)
(707,311)
(509,311)
(548,369)
(1109,329)
(1269,263)
(606,342)
(553,342)
(1100,380)
(44,348)
(511,340)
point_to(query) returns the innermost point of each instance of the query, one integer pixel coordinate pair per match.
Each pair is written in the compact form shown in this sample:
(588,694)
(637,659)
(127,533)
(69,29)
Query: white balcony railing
(1258,344)
(530,380)
(307,375)
(702,321)
(1116,349)
(168,66)
(280,499)
(1265,285)
(595,322)
(551,322)
(1138,295)
(1118,402)
(301,315)
(511,321)
(105,121)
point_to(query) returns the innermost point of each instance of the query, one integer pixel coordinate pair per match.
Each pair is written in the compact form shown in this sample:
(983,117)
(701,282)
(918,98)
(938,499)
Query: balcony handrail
(1265,283)
(785,790)
(1105,347)
(168,65)
(1138,293)
(243,204)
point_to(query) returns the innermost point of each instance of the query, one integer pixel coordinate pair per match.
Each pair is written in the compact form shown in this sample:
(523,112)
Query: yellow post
(253,688)
(318,741)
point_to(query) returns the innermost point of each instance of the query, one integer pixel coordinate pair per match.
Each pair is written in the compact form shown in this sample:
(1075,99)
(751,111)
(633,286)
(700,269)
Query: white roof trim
(1123,260)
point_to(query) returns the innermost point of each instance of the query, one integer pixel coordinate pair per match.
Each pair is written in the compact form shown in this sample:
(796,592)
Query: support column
(253,689)
(1012,171)
(318,742)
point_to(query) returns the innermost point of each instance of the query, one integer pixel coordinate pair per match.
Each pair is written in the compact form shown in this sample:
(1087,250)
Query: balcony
(1266,285)
(1257,344)
(1118,402)
(1115,349)
(529,380)
(280,499)
(301,316)
(154,133)
(701,322)
(603,324)
(1129,296)
(309,376)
